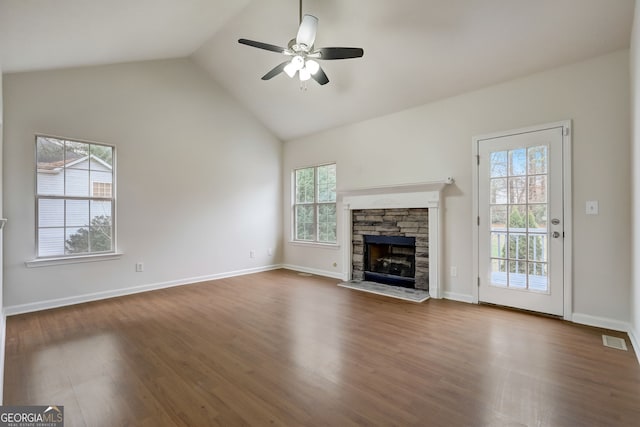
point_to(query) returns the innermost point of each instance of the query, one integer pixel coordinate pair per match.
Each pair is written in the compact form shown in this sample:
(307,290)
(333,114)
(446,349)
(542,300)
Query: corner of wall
(634,73)
(3,337)
(633,337)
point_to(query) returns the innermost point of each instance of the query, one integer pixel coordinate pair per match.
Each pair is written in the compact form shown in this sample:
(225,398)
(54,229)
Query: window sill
(46,262)
(332,246)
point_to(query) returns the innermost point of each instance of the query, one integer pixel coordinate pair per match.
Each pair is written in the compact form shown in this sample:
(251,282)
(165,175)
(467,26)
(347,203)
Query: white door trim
(566,205)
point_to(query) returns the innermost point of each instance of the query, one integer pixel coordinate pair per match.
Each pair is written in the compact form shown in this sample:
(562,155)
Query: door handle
(555,221)
(555,234)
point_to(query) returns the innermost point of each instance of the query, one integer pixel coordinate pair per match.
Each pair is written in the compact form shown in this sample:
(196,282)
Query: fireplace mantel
(418,195)
(421,187)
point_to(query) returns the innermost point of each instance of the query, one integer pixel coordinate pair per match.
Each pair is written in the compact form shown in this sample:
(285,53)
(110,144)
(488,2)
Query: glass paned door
(520,215)
(518,218)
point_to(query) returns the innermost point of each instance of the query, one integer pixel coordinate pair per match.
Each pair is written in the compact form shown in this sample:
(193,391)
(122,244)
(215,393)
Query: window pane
(518,190)
(100,182)
(498,272)
(305,181)
(517,218)
(518,246)
(305,223)
(518,162)
(50,242)
(100,238)
(77,182)
(77,155)
(499,245)
(77,213)
(77,240)
(49,151)
(498,166)
(538,247)
(498,195)
(327,223)
(538,277)
(103,154)
(517,274)
(537,218)
(51,213)
(100,210)
(327,183)
(50,158)
(537,160)
(538,189)
(498,217)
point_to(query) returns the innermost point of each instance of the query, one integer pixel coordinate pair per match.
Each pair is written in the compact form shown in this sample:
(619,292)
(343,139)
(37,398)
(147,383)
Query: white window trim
(47,262)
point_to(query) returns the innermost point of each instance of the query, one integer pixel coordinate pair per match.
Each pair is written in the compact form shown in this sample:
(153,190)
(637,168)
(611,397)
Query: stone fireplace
(393,233)
(391,246)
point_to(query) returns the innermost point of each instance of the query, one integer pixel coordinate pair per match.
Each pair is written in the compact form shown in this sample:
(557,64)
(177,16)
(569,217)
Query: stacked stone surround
(392,222)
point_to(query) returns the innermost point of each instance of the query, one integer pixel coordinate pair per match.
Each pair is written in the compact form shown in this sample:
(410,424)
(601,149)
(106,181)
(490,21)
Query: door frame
(566,206)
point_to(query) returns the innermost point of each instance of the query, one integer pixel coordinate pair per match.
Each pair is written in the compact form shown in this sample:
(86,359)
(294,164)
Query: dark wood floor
(278,348)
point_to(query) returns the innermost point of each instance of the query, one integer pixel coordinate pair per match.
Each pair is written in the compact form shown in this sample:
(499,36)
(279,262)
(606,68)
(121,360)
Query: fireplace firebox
(390,260)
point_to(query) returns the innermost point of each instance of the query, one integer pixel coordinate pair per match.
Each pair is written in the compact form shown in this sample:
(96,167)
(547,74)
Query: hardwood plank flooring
(277,348)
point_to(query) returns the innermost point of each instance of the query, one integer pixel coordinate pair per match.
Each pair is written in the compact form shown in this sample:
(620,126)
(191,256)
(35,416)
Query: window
(75,202)
(101,189)
(315,204)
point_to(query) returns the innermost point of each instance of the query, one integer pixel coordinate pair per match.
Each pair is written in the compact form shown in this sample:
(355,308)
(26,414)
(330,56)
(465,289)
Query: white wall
(433,141)
(635,168)
(198,178)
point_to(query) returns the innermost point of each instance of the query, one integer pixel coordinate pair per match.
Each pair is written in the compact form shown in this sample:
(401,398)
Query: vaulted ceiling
(416,51)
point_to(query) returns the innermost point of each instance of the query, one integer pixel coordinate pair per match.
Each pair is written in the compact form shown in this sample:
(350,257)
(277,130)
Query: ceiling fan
(303,53)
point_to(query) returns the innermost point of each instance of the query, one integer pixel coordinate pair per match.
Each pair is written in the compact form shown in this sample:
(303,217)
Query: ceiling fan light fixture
(304,74)
(312,66)
(290,69)
(297,62)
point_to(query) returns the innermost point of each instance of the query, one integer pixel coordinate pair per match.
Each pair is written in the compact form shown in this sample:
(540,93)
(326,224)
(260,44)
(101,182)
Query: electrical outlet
(454,271)
(252,253)
(270,251)
(139,267)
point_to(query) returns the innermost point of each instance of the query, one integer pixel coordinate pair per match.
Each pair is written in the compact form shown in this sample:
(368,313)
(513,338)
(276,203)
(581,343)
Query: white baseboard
(62,302)
(601,322)
(458,297)
(317,272)
(633,337)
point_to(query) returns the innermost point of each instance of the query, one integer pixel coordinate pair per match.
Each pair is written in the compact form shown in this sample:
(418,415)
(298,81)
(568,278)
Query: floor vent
(305,274)
(614,342)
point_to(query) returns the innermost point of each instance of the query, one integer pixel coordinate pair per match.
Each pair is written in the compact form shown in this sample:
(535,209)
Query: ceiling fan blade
(320,77)
(265,46)
(275,71)
(340,52)
(307,31)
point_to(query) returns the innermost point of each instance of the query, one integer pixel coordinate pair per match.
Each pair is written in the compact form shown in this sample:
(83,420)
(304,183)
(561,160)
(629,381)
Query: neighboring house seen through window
(314,209)
(75,202)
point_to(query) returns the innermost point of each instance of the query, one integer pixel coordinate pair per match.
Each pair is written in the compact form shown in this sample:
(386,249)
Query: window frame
(316,206)
(76,257)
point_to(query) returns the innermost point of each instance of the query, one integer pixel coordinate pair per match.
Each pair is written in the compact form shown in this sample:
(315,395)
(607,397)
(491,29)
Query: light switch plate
(592,207)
